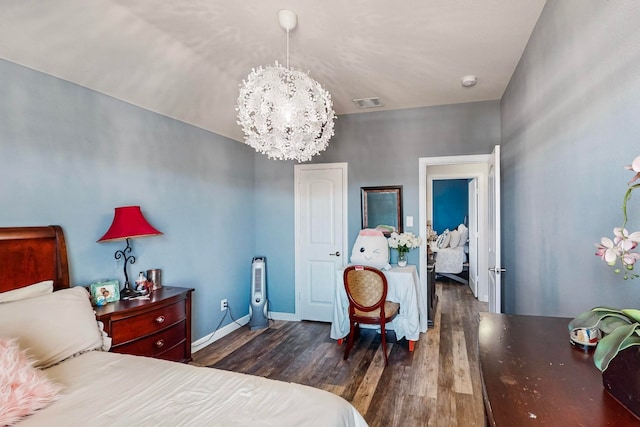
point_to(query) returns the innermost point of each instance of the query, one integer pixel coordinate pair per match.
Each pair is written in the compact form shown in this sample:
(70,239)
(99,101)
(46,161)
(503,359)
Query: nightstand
(158,327)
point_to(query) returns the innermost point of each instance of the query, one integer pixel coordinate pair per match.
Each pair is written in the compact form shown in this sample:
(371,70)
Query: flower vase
(402,259)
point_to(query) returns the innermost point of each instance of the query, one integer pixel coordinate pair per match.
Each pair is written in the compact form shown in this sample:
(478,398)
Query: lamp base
(128,293)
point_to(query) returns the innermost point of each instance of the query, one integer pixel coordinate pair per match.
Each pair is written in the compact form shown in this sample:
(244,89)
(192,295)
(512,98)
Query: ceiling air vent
(368,102)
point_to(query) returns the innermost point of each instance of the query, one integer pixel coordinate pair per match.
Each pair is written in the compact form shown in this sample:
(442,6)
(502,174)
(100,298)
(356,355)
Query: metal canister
(155,276)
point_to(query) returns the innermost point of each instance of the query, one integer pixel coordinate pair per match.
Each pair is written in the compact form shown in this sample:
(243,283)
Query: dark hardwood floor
(436,385)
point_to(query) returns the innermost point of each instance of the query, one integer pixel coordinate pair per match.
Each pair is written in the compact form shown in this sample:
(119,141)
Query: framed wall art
(382,208)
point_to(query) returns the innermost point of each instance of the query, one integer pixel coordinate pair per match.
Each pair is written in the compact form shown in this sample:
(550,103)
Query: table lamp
(128,223)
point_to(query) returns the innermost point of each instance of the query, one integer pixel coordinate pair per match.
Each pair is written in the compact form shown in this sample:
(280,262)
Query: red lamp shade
(128,222)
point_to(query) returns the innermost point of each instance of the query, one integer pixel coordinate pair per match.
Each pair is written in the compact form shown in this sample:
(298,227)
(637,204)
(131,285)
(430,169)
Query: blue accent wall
(450,203)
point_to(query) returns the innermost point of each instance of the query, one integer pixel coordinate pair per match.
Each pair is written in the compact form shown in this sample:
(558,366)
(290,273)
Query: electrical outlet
(224,304)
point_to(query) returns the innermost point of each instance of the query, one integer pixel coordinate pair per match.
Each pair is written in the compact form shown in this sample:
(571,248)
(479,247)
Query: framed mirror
(382,208)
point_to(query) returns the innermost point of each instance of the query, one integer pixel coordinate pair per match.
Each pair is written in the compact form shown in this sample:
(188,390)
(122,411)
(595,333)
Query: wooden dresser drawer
(156,327)
(157,344)
(177,353)
(130,328)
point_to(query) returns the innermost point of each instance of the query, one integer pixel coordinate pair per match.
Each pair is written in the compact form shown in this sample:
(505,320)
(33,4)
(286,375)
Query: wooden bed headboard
(30,255)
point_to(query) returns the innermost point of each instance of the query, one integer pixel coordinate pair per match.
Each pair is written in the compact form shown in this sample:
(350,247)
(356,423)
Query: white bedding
(450,260)
(109,389)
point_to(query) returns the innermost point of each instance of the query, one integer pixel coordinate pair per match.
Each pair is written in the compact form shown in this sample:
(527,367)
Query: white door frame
(473,190)
(494,251)
(345,217)
(423,164)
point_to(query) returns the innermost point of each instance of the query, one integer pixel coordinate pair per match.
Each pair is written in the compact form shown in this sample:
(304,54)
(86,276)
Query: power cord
(228,310)
(232,318)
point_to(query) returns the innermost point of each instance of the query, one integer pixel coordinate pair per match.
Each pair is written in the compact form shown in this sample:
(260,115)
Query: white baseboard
(226,330)
(216,335)
(290,317)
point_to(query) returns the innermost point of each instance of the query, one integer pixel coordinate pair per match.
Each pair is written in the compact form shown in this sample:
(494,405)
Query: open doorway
(474,171)
(454,210)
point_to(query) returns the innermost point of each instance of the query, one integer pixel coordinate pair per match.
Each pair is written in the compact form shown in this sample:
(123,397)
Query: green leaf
(609,323)
(632,313)
(607,309)
(617,340)
(593,318)
(630,341)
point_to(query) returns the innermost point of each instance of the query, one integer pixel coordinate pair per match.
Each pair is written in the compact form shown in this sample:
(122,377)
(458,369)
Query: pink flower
(608,250)
(635,166)
(630,258)
(623,236)
(623,244)
(634,237)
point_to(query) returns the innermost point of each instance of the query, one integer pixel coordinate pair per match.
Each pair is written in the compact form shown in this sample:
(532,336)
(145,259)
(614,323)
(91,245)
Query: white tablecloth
(403,288)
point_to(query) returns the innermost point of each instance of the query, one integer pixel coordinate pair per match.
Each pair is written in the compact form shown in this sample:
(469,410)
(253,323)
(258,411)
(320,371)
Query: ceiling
(186,58)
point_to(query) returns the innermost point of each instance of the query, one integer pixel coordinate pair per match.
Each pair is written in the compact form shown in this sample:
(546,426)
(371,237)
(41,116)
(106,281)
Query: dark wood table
(533,376)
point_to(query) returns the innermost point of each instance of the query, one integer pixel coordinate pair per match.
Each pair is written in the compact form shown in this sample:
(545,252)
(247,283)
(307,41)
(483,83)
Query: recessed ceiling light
(368,102)
(468,81)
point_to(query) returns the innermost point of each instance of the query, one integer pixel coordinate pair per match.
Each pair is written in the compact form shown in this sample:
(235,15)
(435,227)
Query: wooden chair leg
(340,341)
(412,345)
(352,332)
(384,343)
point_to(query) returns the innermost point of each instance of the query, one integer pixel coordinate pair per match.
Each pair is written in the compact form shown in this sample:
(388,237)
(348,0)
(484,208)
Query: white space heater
(258,308)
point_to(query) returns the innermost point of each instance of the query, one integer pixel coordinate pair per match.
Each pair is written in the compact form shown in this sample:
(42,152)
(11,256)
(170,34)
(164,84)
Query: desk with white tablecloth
(403,288)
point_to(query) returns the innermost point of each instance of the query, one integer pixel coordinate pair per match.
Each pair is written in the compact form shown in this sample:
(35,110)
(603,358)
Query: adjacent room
(510,121)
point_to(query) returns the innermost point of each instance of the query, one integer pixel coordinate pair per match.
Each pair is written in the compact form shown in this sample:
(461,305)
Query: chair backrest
(366,288)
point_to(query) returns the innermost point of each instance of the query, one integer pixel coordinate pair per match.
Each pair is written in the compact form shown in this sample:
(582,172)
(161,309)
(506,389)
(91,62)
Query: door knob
(337,253)
(497,270)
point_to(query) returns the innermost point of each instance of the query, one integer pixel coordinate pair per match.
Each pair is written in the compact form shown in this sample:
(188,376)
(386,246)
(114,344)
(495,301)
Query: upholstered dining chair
(366,289)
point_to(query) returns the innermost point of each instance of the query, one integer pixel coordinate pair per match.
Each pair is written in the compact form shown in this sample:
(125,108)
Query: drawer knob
(160,343)
(160,319)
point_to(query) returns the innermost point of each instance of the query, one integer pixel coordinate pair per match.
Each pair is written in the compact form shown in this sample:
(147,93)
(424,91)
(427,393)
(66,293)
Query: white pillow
(443,240)
(454,240)
(53,327)
(464,234)
(35,290)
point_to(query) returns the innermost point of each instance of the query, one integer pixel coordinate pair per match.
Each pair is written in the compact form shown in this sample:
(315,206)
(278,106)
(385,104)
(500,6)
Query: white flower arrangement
(622,248)
(404,242)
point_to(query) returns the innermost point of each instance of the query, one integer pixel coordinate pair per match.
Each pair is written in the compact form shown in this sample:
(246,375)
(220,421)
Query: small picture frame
(105,291)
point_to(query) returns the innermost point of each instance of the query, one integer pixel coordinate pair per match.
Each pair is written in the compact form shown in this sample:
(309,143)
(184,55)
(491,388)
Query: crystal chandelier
(284,113)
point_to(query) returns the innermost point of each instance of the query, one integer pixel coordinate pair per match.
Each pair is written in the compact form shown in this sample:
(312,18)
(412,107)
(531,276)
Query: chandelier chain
(288,49)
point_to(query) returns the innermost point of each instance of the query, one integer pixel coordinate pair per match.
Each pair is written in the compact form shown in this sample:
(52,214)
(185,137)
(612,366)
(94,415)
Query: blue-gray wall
(274,229)
(381,148)
(570,122)
(69,156)
(567,123)
(450,203)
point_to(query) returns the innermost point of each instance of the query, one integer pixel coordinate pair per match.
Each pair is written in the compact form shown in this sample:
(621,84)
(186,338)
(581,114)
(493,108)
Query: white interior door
(321,202)
(473,236)
(495,267)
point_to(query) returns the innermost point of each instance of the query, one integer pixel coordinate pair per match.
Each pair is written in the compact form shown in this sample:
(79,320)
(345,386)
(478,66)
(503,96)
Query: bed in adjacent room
(70,380)
(450,252)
